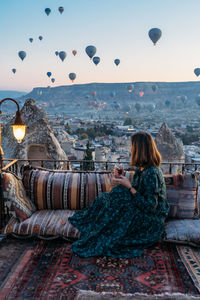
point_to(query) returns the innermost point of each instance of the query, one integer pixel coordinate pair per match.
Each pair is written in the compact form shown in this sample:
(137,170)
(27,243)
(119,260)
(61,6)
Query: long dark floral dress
(119,224)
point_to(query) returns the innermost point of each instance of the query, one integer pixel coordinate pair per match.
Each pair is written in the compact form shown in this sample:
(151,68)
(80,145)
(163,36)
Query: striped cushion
(182,195)
(70,190)
(14,196)
(64,190)
(44,223)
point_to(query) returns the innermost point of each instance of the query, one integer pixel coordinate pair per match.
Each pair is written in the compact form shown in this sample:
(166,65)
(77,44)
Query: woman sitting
(131,217)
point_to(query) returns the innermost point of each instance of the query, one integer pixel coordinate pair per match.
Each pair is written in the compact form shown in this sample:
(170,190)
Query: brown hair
(144,152)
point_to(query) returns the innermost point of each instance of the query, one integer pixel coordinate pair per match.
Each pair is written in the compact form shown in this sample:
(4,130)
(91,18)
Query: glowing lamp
(19,128)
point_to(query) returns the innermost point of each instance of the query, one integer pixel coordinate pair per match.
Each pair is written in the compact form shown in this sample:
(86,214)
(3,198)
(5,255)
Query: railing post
(170,168)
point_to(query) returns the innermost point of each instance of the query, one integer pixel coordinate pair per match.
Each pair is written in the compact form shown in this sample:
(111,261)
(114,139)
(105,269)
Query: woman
(131,217)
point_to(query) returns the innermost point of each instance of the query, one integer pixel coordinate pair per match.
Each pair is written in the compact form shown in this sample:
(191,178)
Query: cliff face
(39,136)
(170,148)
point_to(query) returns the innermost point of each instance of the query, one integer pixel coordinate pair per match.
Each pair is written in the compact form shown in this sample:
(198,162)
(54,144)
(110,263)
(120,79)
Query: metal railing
(14,165)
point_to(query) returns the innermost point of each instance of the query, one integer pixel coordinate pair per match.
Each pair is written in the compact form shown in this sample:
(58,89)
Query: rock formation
(39,142)
(170,148)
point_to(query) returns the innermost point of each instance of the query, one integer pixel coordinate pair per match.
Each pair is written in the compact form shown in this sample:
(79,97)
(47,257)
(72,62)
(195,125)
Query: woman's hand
(123,180)
(118,171)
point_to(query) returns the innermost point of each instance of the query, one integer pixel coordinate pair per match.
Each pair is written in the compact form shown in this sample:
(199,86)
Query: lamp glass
(19,132)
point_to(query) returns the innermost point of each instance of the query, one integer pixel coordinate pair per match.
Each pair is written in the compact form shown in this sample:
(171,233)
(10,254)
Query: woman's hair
(144,152)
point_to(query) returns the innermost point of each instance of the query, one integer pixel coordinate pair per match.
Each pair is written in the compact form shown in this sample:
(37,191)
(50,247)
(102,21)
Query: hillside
(83,92)
(11,94)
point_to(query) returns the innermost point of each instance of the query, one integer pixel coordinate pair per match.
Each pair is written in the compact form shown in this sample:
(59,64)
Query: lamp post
(19,128)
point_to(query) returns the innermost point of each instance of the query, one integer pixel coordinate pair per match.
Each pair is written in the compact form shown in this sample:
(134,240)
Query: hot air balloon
(167,102)
(115,105)
(117,61)
(154,88)
(74,52)
(72,76)
(22,54)
(138,107)
(94,94)
(151,107)
(183,98)
(31,40)
(141,93)
(40,38)
(87,97)
(198,99)
(126,108)
(130,87)
(61,9)
(14,71)
(47,11)
(90,50)
(197,71)
(112,94)
(52,80)
(96,60)
(56,53)
(155,34)
(49,74)
(62,55)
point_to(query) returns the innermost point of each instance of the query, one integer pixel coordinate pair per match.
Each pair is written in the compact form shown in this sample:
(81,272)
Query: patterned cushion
(184,231)
(51,189)
(64,189)
(44,223)
(182,195)
(15,198)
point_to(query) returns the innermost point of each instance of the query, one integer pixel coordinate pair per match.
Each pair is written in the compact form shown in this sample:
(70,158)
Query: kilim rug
(190,256)
(34,269)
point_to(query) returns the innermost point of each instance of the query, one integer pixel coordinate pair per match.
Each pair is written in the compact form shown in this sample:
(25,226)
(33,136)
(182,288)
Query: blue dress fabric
(120,224)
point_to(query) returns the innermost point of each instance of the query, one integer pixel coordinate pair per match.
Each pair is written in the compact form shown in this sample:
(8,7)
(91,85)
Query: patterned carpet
(34,269)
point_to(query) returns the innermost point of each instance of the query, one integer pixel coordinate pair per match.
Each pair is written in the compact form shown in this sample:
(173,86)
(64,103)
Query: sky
(117,28)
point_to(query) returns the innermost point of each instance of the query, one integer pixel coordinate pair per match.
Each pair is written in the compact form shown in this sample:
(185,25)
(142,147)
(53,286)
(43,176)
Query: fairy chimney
(39,142)
(170,148)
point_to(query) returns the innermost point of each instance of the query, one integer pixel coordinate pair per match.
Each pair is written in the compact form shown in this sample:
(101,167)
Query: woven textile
(45,223)
(49,270)
(15,198)
(67,190)
(182,196)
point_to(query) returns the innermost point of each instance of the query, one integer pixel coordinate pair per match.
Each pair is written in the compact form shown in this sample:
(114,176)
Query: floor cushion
(44,223)
(183,231)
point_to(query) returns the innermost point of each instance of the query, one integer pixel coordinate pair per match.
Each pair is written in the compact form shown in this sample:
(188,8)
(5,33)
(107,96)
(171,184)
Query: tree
(128,121)
(67,127)
(84,136)
(88,166)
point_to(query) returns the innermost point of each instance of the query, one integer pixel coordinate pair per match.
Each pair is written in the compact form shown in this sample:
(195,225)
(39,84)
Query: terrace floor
(39,269)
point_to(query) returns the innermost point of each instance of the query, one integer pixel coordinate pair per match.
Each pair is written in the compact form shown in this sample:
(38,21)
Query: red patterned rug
(33,269)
